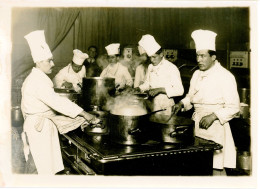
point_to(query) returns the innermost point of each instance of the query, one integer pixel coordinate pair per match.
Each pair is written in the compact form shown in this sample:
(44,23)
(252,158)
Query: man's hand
(177,107)
(67,85)
(156,91)
(207,121)
(91,119)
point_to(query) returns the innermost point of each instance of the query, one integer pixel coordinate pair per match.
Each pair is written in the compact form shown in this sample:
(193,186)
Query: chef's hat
(113,49)
(204,39)
(39,48)
(149,44)
(141,50)
(79,57)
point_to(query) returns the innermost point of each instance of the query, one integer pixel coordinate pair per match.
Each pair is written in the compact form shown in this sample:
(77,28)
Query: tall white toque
(79,57)
(141,50)
(39,48)
(204,40)
(149,44)
(113,49)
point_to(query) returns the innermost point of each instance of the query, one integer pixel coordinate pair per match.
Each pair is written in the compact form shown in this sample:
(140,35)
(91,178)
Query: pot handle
(99,125)
(134,131)
(176,133)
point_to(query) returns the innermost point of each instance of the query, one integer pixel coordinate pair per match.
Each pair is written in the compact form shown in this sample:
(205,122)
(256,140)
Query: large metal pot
(177,129)
(127,130)
(96,91)
(130,129)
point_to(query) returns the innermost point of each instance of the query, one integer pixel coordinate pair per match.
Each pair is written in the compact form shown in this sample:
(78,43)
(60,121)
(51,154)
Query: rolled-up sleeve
(187,99)
(173,86)
(62,105)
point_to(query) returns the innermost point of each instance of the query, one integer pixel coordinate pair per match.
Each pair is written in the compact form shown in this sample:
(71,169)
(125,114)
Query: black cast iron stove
(97,154)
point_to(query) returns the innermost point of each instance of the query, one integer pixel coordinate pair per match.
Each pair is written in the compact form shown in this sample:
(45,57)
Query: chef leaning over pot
(39,103)
(115,69)
(70,77)
(213,93)
(163,80)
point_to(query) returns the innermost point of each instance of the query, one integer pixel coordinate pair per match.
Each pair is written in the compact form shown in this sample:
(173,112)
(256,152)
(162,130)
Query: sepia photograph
(129,94)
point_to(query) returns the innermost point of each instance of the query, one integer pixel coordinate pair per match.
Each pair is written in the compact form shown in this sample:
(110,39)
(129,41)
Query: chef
(115,69)
(163,80)
(213,93)
(70,77)
(39,102)
(92,68)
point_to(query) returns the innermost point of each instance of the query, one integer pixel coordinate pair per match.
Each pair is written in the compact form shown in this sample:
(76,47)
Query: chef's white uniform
(38,102)
(67,74)
(166,75)
(120,73)
(140,74)
(215,91)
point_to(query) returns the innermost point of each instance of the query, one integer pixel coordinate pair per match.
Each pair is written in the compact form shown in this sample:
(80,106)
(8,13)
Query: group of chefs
(212,93)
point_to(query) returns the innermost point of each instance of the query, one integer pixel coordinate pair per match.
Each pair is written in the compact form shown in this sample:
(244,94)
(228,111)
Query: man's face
(156,58)
(205,61)
(92,52)
(46,65)
(112,59)
(76,68)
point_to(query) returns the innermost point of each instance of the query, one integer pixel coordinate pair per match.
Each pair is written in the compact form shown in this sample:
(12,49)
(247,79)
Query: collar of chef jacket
(207,72)
(204,74)
(156,68)
(42,76)
(70,68)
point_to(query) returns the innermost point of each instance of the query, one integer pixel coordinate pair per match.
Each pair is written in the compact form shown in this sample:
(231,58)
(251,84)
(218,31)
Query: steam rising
(126,105)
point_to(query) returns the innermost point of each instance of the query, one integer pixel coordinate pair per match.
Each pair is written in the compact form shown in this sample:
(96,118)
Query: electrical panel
(238,59)
(170,54)
(128,53)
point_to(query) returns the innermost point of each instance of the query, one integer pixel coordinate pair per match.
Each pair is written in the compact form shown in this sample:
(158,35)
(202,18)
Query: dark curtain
(56,22)
(171,27)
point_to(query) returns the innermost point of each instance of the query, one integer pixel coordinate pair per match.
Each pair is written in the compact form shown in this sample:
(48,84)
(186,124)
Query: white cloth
(67,74)
(120,73)
(165,75)
(39,98)
(215,91)
(140,74)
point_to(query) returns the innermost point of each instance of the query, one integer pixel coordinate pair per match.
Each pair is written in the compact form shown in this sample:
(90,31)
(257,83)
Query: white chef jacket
(39,100)
(67,74)
(120,73)
(140,74)
(215,91)
(166,75)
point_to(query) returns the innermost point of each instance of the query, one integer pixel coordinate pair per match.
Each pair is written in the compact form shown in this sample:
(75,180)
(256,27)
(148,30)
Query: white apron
(44,142)
(221,134)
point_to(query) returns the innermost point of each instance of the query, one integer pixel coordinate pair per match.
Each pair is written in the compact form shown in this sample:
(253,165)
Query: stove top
(103,146)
